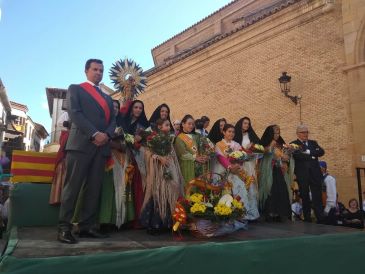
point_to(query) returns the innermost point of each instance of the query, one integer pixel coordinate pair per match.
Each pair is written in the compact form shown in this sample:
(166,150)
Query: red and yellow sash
(98,98)
(189,142)
(223,147)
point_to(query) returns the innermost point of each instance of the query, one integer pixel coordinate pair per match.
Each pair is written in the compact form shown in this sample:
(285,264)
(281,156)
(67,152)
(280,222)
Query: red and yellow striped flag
(29,166)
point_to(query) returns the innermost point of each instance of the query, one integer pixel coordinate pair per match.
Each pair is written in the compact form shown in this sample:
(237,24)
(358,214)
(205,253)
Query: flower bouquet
(239,157)
(289,149)
(209,210)
(129,139)
(161,144)
(204,148)
(256,150)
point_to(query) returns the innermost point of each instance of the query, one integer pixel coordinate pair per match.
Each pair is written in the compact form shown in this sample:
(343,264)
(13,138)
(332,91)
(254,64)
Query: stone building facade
(228,65)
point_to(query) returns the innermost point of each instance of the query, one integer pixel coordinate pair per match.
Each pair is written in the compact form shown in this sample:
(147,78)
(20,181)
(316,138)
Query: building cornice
(293,16)
(246,20)
(53,93)
(19,106)
(194,25)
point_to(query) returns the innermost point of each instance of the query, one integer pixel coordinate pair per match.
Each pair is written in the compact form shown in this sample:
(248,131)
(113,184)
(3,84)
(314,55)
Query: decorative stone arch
(360,43)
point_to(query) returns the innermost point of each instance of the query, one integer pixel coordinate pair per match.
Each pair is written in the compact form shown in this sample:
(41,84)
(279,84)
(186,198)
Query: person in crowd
(4,214)
(339,211)
(186,147)
(116,108)
(296,206)
(121,212)
(161,112)
(107,208)
(206,121)
(216,133)
(164,184)
(245,134)
(330,195)
(363,201)
(4,161)
(246,137)
(135,119)
(60,165)
(353,216)
(275,177)
(87,149)
(176,125)
(236,174)
(308,173)
(199,127)
(134,122)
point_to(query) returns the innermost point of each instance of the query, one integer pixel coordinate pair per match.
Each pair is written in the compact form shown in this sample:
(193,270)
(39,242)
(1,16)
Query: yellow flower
(295,146)
(198,208)
(237,204)
(196,198)
(222,210)
(259,147)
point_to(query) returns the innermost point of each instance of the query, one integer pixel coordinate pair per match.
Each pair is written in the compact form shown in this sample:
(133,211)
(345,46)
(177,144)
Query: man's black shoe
(66,237)
(91,233)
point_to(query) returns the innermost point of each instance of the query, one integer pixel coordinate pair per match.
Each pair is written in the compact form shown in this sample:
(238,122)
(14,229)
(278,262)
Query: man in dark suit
(87,148)
(308,174)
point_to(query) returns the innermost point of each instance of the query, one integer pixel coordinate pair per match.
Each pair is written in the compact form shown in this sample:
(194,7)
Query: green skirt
(107,211)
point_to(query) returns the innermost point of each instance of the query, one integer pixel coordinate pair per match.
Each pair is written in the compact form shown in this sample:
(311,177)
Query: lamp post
(284,81)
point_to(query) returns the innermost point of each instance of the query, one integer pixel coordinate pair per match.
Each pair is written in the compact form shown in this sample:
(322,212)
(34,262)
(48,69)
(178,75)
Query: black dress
(278,203)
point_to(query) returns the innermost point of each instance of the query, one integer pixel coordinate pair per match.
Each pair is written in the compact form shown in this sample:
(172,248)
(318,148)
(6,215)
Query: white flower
(208,204)
(226,199)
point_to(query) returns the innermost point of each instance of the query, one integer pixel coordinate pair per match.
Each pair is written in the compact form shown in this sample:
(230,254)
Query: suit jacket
(306,165)
(87,117)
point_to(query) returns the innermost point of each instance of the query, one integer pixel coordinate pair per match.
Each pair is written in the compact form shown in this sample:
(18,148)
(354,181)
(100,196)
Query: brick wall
(238,77)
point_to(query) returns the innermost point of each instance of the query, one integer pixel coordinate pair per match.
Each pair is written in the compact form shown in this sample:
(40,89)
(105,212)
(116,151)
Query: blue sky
(45,43)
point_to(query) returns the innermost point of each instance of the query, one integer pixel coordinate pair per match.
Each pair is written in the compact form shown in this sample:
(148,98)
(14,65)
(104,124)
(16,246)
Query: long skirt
(278,203)
(137,193)
(107,211)
(250,169)
(57,183)
(238,187)
(60,171)
(150,217)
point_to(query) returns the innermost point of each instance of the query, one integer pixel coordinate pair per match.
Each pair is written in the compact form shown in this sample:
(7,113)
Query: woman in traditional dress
(192,165)
(236,174)
(164,184)
(133,122)
(161,112)
(246,137)
(216,133)
(60,165)
(108,202)
(275,177)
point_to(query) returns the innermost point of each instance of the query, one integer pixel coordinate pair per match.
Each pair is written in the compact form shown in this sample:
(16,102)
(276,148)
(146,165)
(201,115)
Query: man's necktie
(98,90)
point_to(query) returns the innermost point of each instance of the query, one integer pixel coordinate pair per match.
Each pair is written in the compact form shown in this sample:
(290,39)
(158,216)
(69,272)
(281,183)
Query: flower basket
(205,206)
(203,228)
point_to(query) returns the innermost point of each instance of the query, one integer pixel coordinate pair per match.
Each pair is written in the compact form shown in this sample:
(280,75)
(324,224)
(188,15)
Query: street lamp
(284,81)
